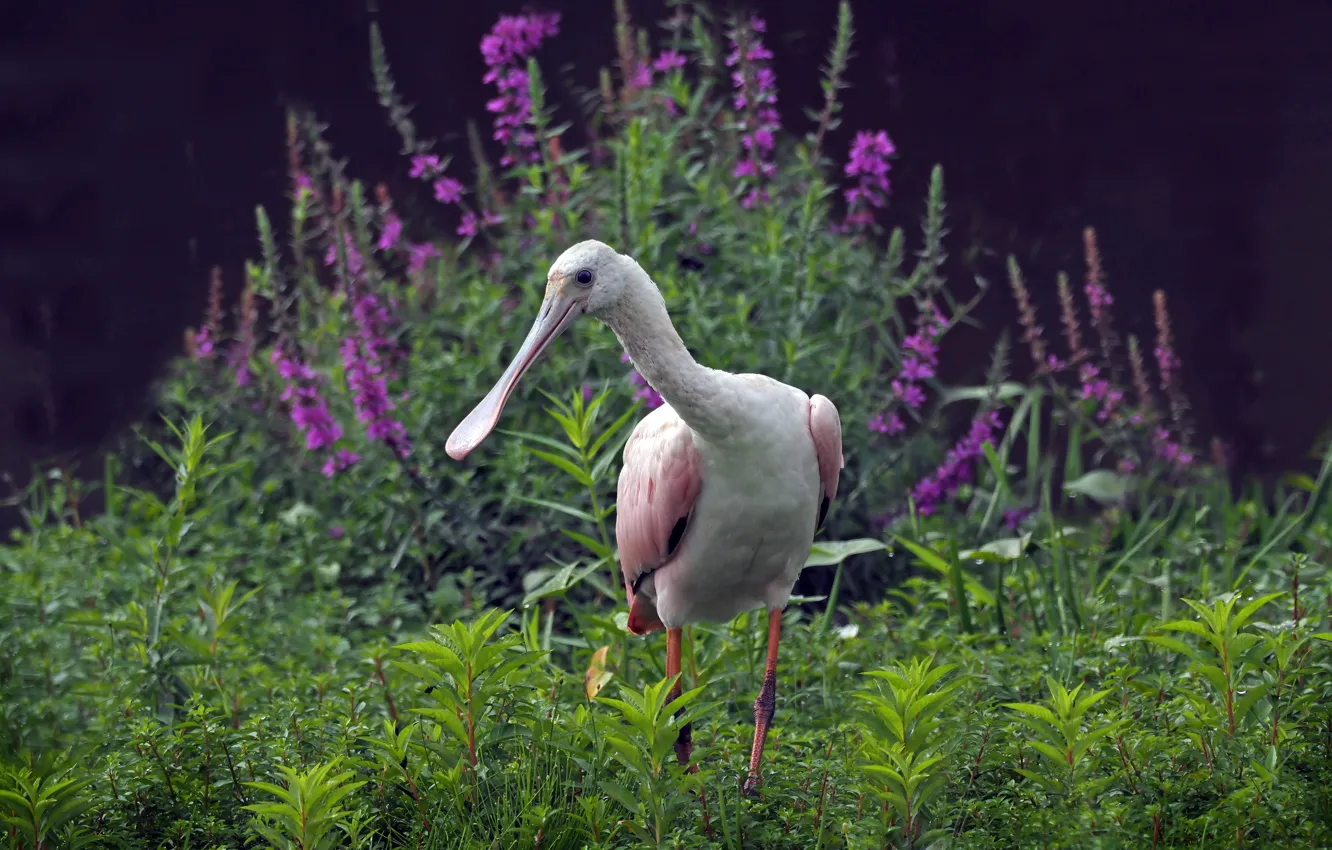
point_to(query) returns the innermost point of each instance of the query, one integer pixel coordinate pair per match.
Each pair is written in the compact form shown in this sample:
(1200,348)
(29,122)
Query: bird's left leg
(766,702)
(684,743)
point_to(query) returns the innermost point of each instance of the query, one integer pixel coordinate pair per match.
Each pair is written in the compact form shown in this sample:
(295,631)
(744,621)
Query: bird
(722,488)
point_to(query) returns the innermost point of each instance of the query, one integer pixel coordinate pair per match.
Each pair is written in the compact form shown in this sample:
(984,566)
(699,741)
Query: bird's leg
(766,702)
(684,743)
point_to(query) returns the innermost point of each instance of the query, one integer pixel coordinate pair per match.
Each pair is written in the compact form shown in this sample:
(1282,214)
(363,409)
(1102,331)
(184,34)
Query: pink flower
(419,254)
(505,50)
(957,468)
(468,226)
(669,60)
(448,190)
(392,232)
(755,102)
(868,163)
(424,166)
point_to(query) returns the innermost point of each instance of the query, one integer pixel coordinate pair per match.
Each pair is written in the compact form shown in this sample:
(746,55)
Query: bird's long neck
(644,328)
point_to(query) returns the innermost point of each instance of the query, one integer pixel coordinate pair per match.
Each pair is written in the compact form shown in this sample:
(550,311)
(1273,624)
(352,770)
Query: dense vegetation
(296,623)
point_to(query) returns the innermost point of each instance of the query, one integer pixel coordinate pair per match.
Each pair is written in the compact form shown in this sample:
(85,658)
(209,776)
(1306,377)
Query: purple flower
(468,226)
(424,166)
(205,340)
(641,78)
(365,356)
(756,102)
(1014,517)
(890,424)
(868,163)
(448,190)
(429,168)
(309,410)
(1167,361)
(957,467)
(355,264)
(651,398)
(916,370)
(505,50)
(920,364)
(391,233)
(1098,297)
(1098,389)
(587,392)
(1170,450)
(669,60)
(418,255)
(203,344)
(238,358)
(340,460)
(910,394)
(335,531)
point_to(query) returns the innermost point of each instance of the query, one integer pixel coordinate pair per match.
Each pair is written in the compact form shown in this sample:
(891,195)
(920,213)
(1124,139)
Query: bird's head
(588,278)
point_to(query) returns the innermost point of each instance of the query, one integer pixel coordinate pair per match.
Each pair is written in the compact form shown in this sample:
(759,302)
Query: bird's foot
(684,743)
(683,750)
(750,786)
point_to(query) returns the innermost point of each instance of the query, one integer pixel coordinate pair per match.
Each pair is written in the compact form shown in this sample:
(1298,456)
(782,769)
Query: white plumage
(723,487)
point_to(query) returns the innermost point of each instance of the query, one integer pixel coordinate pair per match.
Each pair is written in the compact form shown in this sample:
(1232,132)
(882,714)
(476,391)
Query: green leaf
(1103,485)
(1175,645)
(1247,698)
(831,552)
(577,513)
(1005,549)
(1003,392)
(927,556)
(543,440)
(1045,782)
(569,467)
(1040,712)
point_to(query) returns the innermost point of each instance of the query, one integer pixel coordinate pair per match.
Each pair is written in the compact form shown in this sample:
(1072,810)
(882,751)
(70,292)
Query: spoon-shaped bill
(557,313)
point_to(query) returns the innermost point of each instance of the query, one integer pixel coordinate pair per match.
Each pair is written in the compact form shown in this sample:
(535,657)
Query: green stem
(609,547)
(605,536)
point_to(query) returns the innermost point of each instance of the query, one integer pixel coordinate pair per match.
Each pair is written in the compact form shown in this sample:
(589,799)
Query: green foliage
(308,813)
(298,713)
(467,676)
(643,744)
(907,740)
(42,802)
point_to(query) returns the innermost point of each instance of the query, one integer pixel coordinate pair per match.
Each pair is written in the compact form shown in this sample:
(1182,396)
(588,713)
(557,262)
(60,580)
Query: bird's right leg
(766,703)
(684,743)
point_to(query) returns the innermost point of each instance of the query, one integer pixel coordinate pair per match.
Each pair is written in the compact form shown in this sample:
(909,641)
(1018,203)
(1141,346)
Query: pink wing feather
(825,426)
(659,483)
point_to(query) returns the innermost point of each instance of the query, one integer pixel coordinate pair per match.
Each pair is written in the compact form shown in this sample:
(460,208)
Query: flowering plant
(376,348)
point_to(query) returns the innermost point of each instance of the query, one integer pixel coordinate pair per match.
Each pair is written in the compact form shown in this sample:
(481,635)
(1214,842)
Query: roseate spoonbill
(723,486)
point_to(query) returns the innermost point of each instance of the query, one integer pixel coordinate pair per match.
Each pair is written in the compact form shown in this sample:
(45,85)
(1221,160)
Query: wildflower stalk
(755,100)
(1100,300)
(1032,333)
(833,81)
(624,49)
(1141,385)
(1167,364)
(1068,312)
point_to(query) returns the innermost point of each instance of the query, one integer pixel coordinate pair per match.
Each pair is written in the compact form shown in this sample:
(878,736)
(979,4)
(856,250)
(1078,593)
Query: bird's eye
(583,278)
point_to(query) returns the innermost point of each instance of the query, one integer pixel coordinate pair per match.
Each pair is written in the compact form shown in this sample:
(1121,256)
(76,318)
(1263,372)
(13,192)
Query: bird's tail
(642,615)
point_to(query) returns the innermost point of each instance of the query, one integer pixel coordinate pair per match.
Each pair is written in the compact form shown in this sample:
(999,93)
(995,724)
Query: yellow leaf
(597,674)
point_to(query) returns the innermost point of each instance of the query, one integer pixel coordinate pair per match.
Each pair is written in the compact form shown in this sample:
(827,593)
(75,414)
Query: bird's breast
(758,504)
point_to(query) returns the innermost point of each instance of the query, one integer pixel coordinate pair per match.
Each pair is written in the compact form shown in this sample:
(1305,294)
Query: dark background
(135,140)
